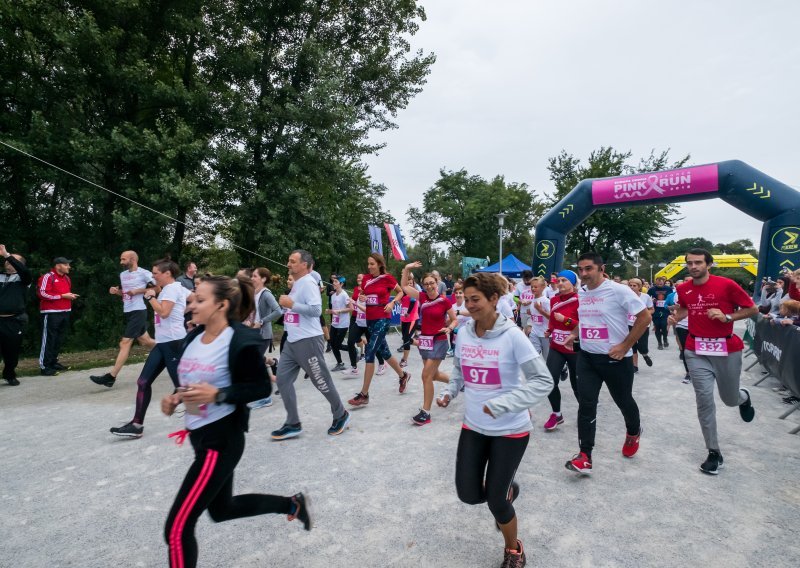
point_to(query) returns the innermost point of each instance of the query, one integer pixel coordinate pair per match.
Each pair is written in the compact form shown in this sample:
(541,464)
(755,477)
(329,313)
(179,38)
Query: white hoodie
(504,372)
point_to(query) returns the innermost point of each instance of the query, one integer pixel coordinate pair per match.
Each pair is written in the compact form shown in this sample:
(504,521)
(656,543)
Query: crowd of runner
(511,345)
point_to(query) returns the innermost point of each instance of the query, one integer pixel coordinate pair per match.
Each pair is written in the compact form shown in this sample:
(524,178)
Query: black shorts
(135,324)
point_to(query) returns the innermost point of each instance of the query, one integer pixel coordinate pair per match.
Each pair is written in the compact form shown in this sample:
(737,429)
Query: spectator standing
(187,278)
(55,293)
(14,284)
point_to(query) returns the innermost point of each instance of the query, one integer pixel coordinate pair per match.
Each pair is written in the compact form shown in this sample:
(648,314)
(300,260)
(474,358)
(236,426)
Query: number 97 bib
(481,375)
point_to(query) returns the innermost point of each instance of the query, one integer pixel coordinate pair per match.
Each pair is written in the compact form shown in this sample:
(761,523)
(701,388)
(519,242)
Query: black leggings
(337,339)
(662,329)
(354,338)
(485,468)
(408,327)
(163,356)
(641,344)
(209,485)
(594,370)
(681,333)
(555,364)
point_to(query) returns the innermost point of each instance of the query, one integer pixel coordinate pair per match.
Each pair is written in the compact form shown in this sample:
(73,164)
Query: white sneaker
(352,371)
(381,369)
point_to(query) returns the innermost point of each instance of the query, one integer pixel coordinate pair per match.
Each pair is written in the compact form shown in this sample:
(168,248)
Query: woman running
(437,320)
(409,309)
(358,329)
(170,331)
(563,319)
(504,377)
(340,320)
(377,288)
(640,346)
(267,311)
(221,370)
(681,331)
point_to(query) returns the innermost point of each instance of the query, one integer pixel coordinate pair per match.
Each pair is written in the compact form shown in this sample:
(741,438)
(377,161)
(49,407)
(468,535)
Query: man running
(55,293)
(14,284)
(305,348)
(134,282)
(713,352)
(605,355)
(659,293)
(524,294)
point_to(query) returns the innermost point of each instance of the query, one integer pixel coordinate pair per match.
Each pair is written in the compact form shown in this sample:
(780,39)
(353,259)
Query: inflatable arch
(733,181)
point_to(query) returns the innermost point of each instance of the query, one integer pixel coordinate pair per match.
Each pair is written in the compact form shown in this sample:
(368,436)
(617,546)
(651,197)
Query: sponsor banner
(669,184)
(778,350)
(375,241)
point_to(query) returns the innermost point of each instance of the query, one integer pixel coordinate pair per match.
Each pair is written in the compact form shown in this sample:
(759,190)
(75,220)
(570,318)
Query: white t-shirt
(207,364)
(525,294)
(462,315)
(648,303)
(538,321)
(549,292)
(603,314)
(505,305)
(171,327)
(300,326)
(340,301)
(490,368)
(128,280)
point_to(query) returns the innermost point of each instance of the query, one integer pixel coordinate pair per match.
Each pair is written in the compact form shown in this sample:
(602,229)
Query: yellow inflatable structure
(746,261)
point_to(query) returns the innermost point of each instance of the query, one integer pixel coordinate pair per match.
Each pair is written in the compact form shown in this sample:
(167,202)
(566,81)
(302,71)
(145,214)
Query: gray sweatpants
(705,371)
(541,344)
(309,355)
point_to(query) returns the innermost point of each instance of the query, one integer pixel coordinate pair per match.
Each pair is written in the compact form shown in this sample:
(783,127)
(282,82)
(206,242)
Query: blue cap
(342,279)
(569,275)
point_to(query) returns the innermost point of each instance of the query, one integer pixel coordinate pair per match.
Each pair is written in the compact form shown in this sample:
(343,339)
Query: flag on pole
(396,241)
(375,241)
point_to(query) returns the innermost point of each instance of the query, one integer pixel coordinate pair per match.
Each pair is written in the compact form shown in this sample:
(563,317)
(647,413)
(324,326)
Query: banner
(396,241)
(668,185)
(778,350)
(375,241)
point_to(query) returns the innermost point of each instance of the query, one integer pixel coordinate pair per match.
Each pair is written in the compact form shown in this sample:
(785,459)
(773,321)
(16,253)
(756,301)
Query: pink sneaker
(353,371)
(381,369)
(553,422)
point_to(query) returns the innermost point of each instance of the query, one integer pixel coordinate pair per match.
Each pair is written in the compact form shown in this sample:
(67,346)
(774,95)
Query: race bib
(526,297)
(361,318)
(404,311)
(126,297)
(661,303)
(426,342)
(594,333)
(486,376)
(157,319)
(291,318)
(372,299)
(711,347)
(560,336)
(631,319)
(335,319)
(537,319)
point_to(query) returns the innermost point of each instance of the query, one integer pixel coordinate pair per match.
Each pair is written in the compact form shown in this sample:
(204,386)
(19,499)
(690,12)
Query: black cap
(61,260)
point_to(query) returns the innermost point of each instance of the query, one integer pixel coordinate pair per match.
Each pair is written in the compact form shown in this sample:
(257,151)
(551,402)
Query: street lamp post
(637,264)
(501,217)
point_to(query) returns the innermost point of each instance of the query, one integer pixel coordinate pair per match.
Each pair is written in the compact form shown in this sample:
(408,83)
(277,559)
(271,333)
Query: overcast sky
(517,81)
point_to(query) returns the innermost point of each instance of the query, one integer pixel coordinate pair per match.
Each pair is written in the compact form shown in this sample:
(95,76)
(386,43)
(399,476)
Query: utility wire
(7,145)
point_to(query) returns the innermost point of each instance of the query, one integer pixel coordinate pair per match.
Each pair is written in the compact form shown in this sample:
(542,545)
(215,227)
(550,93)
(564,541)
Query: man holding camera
(14,284)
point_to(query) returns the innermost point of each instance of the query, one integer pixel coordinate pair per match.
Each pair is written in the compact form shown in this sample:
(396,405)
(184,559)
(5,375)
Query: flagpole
(501,219)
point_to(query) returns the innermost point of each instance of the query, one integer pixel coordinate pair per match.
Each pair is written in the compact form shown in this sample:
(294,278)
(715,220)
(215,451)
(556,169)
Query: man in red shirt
(713,352)
(55,294)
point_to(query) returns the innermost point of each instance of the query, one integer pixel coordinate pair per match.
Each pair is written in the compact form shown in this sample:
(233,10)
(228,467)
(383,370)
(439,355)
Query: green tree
(614,232)
(460,212)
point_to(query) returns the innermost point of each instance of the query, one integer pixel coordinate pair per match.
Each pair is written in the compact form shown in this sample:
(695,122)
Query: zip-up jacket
(249,380)
(566,305)
(14,288)
(50,288)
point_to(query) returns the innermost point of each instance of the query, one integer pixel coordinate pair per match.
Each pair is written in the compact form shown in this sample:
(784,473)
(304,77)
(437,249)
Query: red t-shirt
(433,315)
(721,293)
(407,313)
(566,305)
(377,293)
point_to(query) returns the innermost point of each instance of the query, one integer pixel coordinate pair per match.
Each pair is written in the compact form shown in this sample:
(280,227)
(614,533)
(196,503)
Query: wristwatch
(222,396)
(728,318)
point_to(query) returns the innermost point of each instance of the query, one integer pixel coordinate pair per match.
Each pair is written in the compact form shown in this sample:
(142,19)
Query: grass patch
(83,360)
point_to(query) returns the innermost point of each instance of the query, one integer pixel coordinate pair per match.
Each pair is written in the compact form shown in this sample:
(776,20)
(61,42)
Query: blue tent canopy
(512,266)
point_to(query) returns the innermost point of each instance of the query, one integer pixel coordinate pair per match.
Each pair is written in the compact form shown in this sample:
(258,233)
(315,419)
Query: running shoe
(404,381)
(564,374)
(421,418)
(514,558)
(553,422)
(580,463)
(746,410)
(631,445)
(256,404)
(338,367)
(360,399)
(129,430)
(660,347)
(687,379)
(635,369)
(400,349)
(106,380)
(403,363)
(647,360)
(451,352)
(60,367)
(353,371)
(790,400)
(287,431)
(48,372)
(301,510)
(328,348)
(381,369)
(713,463)
(12,381)
(339,425)
(666,344)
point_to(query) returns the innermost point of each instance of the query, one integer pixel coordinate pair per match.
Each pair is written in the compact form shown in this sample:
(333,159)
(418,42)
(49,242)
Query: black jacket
(248,370)
(14,288)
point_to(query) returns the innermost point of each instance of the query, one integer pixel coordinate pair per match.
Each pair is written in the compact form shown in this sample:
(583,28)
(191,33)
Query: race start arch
(733,181)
